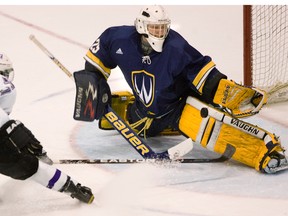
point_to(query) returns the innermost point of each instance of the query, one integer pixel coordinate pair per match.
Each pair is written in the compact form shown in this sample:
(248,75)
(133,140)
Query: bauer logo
(127,133)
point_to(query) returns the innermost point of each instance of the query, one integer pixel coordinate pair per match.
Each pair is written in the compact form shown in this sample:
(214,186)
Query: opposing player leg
(55,179)
(215,129)
(19,159)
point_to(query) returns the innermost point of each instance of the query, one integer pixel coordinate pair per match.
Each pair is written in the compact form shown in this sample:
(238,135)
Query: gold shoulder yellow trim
(106,71)
(201,76)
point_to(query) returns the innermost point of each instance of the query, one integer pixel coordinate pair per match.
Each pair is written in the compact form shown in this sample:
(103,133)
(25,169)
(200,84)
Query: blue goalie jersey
(158,81)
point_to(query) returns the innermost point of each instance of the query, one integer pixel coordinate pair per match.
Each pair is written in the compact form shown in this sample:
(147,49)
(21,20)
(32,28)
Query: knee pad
(119,103)
(214,129)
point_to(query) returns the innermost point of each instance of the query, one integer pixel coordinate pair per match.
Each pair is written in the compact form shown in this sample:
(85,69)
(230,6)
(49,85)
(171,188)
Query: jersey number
(95,46)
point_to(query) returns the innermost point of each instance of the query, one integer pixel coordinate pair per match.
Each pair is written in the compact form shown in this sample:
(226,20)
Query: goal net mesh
(269,47)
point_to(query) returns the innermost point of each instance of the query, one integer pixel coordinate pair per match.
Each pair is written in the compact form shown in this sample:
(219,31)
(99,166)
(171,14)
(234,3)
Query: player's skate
(79,192)
(277,163)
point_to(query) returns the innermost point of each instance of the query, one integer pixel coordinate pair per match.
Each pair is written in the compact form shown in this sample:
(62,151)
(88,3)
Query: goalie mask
(6,68)
(154,24)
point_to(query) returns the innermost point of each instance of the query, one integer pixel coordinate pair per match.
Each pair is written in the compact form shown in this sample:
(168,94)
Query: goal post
(265,40)
(247,53)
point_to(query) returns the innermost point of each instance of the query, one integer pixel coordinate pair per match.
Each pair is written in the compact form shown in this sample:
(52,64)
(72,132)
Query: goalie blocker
(92,96)
(215,129)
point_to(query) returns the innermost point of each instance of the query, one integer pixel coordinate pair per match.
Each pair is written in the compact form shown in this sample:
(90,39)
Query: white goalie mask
(6,67)
(154,24)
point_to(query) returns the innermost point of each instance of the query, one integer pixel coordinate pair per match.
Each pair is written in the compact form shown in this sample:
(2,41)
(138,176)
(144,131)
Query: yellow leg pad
(214,129)
(190,121)
(208,130)
(250,150)
(119,103)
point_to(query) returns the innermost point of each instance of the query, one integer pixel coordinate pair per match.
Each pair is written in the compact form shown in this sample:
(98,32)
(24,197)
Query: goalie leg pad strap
(214,129)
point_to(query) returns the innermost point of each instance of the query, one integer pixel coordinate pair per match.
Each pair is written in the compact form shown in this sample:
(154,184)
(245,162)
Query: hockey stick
(132,138)
(139,145)
(51,56)
(229,151)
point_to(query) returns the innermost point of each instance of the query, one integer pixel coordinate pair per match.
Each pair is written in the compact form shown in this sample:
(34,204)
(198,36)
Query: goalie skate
(277,163)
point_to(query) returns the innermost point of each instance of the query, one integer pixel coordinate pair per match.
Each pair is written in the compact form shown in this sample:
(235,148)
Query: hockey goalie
(175,89)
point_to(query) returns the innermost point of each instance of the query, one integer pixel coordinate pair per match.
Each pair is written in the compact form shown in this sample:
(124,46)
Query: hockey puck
(204,112)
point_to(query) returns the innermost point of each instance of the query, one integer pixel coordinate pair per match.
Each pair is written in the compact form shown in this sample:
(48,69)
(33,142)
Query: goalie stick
(134,140)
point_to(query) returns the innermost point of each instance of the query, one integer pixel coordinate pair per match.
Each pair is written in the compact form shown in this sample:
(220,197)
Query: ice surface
(45,105)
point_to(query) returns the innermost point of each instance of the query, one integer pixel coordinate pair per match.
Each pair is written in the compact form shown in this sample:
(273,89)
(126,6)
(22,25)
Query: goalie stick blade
(228,153)
(181,149)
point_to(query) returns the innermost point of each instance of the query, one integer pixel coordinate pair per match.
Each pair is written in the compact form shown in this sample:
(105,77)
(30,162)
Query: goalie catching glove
(240,100)
(92,95)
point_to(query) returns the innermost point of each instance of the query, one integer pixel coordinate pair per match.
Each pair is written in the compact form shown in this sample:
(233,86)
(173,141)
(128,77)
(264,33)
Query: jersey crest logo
(144,86)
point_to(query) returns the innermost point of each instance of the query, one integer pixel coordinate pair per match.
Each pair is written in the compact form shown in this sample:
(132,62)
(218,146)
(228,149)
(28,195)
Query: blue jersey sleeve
(105,42)
(191,64)
(99,53)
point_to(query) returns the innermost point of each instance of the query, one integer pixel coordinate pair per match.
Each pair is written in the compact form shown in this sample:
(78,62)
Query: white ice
(45,105)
